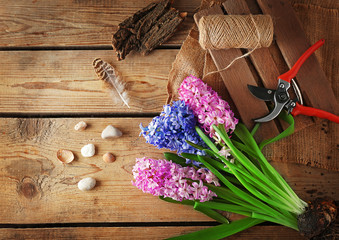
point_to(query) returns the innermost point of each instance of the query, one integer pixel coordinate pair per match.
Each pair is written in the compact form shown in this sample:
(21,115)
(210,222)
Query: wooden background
(47,85)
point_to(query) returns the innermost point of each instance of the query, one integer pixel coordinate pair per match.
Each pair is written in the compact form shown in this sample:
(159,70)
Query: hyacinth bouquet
(212,171)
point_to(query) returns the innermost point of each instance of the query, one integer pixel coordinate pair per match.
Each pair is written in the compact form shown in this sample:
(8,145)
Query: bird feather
(109,75)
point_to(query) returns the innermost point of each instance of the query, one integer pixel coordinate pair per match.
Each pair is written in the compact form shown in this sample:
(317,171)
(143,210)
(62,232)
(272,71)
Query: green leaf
(220,231)
(231,197)
(224,207)
(175,158)
(288,131)
(183,202)
(291,224)
(190,156)
(213,162)
(242,194)
(255,185)
(211,213)
(288,193)
(206,139)
(195,145)
(207,211)
(245,136)
(245,149)
(278,183)
(255,128)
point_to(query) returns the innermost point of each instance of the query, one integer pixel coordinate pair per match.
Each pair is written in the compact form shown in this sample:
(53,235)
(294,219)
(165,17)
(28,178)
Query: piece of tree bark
(161,31)
(146,29)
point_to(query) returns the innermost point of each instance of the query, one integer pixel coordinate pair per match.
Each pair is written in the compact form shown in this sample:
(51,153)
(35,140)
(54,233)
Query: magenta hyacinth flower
(168,179)
(206,104)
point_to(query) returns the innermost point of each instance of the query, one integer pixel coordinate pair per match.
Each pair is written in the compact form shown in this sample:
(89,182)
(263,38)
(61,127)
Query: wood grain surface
(65,81)
(74,23)
(261,58)
(37,188)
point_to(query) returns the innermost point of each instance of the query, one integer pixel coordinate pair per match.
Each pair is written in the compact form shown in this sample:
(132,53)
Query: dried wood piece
(146,23)
(146,29)
(161,31)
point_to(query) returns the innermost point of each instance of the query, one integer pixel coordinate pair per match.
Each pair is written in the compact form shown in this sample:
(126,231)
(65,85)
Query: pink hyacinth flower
(206,104)
(168,179)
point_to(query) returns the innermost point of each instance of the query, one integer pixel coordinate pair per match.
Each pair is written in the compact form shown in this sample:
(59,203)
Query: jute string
(235,31)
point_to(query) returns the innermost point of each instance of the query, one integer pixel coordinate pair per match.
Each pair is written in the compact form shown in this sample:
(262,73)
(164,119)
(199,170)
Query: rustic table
(47,85)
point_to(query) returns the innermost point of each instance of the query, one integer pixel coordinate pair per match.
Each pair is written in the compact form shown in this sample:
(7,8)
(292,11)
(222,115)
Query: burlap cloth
(319,19)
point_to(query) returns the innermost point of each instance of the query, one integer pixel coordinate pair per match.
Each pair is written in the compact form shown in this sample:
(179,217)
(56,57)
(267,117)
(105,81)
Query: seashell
(65,156)
(86,184)
(108,157)
(88,150)
(80,126)
(111,132)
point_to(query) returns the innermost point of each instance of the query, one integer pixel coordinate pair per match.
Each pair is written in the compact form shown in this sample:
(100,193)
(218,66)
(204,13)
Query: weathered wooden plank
(292,41)
(254,233)
(261,58)
(236,79)
(65,81)
(37,188)
(275,66)
(70,23)
(320,139)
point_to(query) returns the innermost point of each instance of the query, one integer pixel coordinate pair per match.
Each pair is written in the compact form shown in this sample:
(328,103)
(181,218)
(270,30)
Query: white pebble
(80,126)
(111,132)
(86,184)
(88,150)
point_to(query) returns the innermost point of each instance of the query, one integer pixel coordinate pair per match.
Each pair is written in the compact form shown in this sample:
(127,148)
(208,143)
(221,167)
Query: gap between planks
(79,115)
(116,224)
(254,233)
(76,48)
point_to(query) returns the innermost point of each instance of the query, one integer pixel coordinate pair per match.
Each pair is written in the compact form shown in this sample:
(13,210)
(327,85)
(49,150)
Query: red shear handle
(294,70)
(308,111)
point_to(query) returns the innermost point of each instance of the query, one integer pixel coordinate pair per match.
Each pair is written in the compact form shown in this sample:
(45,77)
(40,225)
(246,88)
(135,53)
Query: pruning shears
(282,99)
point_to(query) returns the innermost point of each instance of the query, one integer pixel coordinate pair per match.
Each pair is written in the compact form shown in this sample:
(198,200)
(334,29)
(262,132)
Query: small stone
(108,157)
(88,150)
(86,184)
(111,132)
(80,126)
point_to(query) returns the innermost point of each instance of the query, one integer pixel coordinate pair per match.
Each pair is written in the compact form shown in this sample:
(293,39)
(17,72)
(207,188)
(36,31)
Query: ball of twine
(235,31)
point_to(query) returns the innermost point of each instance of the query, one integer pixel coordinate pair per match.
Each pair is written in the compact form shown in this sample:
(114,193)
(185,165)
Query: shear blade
(262,93)
(275,112)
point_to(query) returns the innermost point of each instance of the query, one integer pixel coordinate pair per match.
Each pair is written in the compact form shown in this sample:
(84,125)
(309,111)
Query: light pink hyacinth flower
(168,179)
(206,104)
